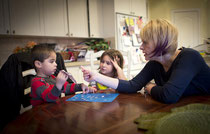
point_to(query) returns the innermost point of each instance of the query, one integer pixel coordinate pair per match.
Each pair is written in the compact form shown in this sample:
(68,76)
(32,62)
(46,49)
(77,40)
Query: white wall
(162,9)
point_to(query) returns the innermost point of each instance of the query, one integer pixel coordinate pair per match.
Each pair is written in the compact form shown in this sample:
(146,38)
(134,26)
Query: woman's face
(147,48)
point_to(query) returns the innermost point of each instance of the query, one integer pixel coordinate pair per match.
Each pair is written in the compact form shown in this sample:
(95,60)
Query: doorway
(187,23)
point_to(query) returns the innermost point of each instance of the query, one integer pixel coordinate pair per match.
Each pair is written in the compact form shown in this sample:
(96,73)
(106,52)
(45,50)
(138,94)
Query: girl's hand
(86,89)
(87,75)
(149,86)
(115,64)
(120,72)
(61,79)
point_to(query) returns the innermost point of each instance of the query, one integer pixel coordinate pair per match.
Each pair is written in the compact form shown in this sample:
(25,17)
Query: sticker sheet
(94,97)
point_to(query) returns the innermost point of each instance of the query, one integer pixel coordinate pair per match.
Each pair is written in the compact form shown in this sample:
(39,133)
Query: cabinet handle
(13,31)
(71,34)
(67,34)
(92,35)
(7,31)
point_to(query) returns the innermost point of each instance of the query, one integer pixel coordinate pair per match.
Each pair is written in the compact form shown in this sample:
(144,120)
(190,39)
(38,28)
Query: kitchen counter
(80,62)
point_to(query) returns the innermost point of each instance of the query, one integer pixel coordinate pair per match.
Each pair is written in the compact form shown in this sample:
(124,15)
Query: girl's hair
(41,52)
(113,54)
(163,34)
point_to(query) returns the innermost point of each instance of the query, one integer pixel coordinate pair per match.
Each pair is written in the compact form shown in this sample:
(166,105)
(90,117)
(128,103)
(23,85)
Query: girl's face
(106,66)
(147,48)
(49,66)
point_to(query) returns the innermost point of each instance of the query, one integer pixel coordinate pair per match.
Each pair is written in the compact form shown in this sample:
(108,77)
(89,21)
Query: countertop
(80,62)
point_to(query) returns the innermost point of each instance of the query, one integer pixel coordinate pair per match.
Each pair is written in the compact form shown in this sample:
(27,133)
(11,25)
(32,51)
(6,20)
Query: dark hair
(41,52)
(112,53)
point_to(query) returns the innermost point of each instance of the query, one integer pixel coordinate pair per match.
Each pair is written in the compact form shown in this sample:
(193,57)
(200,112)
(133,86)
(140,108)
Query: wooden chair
(27,76)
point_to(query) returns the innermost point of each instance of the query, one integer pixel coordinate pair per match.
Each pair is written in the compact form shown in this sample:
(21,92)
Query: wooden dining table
(68,117)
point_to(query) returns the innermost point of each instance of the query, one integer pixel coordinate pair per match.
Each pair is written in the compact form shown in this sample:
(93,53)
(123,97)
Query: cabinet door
(138,7)
(25,17)
(55,18)
(96,18)
(78,19)
(4,17)
(122,6)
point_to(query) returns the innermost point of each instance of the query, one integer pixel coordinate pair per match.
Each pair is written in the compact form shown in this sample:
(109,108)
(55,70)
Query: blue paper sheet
(94,97)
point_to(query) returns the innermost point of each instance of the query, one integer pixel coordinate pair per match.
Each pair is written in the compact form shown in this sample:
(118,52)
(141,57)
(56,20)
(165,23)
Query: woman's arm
(94,76)
(184,71)
(125,86)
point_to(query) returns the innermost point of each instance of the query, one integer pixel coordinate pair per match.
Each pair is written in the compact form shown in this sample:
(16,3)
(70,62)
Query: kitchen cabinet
(34,17)
(78,18)
(4,17)
(55,18)
(96,18)
(25,17)
(132,7)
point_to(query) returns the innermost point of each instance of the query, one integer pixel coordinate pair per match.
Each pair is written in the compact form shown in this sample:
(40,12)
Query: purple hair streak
(161,49)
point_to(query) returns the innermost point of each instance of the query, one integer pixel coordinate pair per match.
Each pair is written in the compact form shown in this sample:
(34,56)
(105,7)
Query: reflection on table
(92,117)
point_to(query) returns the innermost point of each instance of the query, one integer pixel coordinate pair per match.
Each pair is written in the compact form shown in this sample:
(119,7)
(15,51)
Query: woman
(176,73)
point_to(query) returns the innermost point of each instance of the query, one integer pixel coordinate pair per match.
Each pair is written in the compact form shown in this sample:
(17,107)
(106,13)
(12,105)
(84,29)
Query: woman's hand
(87,75)
(86,89)
(61,79)
(149,86)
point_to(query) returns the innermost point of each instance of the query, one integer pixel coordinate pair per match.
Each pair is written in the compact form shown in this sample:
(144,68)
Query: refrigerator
(128,29)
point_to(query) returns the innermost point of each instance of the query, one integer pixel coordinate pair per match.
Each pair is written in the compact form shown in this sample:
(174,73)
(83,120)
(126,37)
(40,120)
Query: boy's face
(106,66)
(49,66)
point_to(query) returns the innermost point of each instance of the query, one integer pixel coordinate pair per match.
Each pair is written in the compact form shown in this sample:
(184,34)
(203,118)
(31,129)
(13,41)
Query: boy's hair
(40,52)
(163,34)
(112,53)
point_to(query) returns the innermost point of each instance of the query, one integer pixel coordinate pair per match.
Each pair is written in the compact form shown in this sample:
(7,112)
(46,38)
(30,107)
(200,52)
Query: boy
(45,87)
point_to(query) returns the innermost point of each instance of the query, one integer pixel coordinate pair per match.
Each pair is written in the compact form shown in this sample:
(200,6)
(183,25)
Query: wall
(208,12)
(163,8)
(9,43)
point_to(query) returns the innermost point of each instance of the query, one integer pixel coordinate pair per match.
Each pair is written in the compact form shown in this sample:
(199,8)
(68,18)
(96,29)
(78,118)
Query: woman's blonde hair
(163,34)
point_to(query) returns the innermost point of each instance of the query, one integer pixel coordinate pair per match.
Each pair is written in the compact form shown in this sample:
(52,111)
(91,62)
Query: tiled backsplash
(8,44)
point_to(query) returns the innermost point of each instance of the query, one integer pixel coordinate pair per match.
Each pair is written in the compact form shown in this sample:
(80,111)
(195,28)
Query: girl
(111,65)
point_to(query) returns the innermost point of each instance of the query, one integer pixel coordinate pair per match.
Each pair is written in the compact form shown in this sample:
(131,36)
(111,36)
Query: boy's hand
(86,89)
(61,79)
